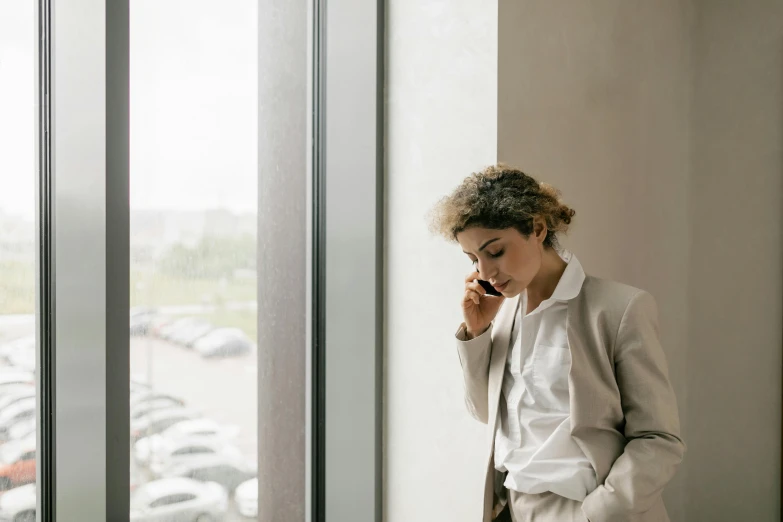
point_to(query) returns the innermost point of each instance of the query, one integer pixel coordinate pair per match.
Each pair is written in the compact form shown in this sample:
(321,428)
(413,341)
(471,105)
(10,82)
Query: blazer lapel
(501,337)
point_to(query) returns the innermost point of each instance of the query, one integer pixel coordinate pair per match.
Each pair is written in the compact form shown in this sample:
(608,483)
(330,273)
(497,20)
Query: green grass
(17,287)
(17,294)
(164,290)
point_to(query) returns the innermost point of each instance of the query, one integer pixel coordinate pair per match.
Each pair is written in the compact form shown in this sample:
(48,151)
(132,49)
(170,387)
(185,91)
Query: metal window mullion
(352,214)
(44,307)
(89,258)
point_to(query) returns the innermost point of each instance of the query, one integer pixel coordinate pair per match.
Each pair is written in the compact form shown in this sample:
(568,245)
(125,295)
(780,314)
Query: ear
(539,229)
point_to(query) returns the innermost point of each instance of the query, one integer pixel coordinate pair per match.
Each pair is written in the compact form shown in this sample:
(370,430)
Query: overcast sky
(193,104)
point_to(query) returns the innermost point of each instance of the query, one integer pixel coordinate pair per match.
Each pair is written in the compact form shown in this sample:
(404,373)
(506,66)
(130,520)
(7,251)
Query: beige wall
(593,98)
(661,122)
(734,352)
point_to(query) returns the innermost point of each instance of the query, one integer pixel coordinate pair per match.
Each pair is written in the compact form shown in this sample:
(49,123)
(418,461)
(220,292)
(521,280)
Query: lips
(500,288)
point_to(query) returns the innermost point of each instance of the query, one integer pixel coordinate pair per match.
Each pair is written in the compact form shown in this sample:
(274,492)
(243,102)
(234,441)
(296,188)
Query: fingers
(471,295)
(476,287)
(472,276)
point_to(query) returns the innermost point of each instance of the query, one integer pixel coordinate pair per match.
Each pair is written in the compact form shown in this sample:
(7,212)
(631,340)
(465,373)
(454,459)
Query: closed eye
(500,253)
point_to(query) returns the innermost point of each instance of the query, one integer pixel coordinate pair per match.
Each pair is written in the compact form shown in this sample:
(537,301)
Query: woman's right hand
(478,308)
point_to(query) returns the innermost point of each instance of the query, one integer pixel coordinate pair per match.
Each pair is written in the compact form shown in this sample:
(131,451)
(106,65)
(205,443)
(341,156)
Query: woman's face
(505,258)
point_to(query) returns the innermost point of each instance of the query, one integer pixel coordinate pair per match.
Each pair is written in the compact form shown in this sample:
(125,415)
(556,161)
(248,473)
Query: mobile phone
(489,288)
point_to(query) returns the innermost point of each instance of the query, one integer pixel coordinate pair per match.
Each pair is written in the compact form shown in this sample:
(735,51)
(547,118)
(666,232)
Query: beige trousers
(544,507)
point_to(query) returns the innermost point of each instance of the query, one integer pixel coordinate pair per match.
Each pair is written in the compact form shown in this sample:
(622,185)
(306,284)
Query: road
(223,389)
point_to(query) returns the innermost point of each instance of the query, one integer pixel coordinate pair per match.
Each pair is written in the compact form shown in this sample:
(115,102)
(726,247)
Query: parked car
(173,452)
(138,385)
(16,393)
(228,471)
(18,504)
(141,409)
(170,500)
(170,331)
(246,498)
(23,344)
(141,319)
(12,377)
(21,410)
(21,429)
(158,324)
(140,397)
(17,463)
(23,360)
(223,342)
(147,446)
(157,421)
(11,389)
(191,333)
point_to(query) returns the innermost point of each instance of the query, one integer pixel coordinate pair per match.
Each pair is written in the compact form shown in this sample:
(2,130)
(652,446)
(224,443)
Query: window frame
(348,253)
(83,260)
(322,144)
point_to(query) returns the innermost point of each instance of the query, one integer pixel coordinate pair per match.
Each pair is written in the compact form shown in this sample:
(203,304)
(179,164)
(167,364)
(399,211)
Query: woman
(565,368)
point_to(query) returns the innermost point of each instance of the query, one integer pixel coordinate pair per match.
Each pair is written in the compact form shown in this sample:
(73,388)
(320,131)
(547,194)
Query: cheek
(519,268)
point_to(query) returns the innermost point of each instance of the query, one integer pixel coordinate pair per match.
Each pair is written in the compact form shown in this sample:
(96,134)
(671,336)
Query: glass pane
(193,154)
(18,94)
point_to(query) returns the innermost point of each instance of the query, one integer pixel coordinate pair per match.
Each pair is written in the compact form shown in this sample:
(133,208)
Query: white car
(159,420)
(18,505)
(228,471)
(191,332)
(140,396)
(20,410)
(23,344)
(246,498)
(141,409)
(21,429)
(145,447)
(23,360)
(224,342)
(14,377)
(16,393)
(178,500)
(171,330)
(177,451)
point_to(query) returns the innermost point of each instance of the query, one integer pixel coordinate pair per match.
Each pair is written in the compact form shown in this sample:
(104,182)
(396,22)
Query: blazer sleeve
(474,357)
(652,426)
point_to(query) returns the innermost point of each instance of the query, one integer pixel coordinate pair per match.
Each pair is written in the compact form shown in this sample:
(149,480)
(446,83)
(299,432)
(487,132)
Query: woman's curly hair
(501,197)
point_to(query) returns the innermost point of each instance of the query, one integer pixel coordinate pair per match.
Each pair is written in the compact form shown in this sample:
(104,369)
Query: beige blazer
(623,410)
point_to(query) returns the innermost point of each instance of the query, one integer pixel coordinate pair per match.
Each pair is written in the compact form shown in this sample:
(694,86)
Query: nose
(486,270)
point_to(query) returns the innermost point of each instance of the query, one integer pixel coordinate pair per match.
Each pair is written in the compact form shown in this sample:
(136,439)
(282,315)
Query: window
(174,174)
(193,213)
(18,95)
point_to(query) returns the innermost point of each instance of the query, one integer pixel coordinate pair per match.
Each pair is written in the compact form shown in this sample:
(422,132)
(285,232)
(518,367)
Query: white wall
(442,84)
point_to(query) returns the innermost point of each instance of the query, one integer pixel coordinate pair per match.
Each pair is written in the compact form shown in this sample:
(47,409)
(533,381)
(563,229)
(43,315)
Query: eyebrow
(485,245)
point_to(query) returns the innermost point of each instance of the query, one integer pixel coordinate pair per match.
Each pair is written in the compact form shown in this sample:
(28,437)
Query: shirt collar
(571,281)
(567,288)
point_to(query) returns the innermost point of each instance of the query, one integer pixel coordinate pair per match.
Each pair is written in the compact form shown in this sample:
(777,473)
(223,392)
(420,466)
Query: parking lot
(223,390)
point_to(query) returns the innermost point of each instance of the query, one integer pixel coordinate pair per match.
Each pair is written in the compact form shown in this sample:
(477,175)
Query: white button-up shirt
(533,440)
